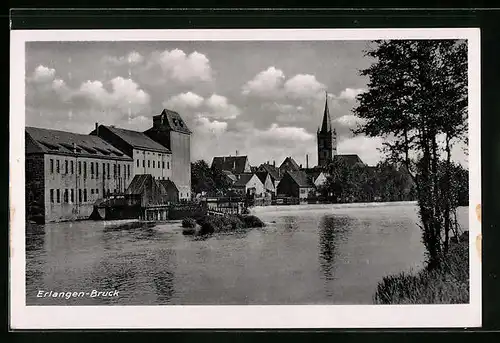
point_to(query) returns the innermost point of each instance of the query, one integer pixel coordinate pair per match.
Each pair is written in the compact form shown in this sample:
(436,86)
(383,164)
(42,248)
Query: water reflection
(163,276)
(290,223)
(333,231)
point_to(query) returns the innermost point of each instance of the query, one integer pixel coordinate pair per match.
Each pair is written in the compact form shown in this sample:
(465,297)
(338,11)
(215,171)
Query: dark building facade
(326,139)
(295,184)
(234,164)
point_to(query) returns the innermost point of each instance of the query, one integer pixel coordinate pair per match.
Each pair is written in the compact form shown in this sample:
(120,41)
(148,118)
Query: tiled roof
(137,139)
(262,176)
(300,178)
(272,170)
(351,159)
(243,179)
(235,164)
(168,185)
(313,173)
(68,143)
(290,161)
(174,121)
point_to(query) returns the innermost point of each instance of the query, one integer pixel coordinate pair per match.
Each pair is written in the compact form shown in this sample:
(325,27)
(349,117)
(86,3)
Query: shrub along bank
(215,224)
(446,285)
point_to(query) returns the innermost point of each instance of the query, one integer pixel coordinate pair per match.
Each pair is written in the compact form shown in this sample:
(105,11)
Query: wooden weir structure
(220,206)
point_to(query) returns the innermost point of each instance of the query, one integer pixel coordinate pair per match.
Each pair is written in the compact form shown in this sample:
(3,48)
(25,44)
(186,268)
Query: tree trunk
(446,197)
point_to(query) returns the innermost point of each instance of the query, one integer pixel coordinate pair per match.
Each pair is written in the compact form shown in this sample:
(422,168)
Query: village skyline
(256,98)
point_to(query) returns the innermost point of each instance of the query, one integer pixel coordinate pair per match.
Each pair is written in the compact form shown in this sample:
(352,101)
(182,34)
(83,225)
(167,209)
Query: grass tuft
(448,285)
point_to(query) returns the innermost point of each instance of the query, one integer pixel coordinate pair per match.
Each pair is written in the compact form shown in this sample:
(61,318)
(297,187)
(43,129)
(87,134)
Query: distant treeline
(383,182)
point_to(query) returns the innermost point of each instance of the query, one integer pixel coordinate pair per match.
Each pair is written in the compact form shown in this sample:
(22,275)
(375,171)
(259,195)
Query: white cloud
(219,107)
(132,58)
(184,100)
(205,125)
(275,132)
(43,74)
(304,86)
(265,83)
(365,147)
(349,120)
(350,93)
(185,68)
(125,94)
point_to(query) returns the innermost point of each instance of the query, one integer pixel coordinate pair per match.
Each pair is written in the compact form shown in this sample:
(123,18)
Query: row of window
(69,168)
(155,165)
(68,195)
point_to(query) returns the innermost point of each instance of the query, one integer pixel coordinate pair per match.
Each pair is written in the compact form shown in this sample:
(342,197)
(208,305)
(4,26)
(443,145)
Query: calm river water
(312,254)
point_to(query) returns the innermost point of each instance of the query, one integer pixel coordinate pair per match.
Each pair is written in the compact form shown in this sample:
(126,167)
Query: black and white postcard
(245,179)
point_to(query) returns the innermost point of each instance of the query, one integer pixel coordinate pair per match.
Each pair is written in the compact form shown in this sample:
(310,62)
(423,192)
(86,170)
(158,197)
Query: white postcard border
(227,317)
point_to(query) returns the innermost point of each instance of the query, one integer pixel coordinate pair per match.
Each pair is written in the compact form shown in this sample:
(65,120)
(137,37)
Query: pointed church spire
(326,126)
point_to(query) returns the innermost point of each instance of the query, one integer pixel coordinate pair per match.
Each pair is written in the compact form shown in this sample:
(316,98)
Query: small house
(234,164)
(296,184)
(170,191)
(288,164)
(267,181)
(249,184)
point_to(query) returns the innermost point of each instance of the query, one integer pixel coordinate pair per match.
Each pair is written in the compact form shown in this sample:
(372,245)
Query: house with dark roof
(249,184)
(148,189)
(149,157)
(172,132)
(170,191)
(295,184)
(288,164)
(317,176)
(271,169)
(348,159)
(67,172)
(234,164)
(267,181)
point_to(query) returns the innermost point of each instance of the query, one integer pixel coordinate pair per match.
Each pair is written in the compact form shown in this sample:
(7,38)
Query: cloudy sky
(262,99)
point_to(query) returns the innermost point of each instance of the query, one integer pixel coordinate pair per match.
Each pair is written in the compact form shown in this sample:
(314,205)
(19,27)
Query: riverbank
(449,285)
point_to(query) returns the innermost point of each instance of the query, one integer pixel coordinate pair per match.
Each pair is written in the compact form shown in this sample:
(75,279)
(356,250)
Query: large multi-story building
(149,157)
(67,172)
(170,130)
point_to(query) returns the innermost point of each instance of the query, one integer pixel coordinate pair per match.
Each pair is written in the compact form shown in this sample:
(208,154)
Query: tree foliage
(360,183)
(205,179)
(417,100)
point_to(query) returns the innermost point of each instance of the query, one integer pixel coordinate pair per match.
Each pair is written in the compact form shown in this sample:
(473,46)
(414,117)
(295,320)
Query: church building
(327,139)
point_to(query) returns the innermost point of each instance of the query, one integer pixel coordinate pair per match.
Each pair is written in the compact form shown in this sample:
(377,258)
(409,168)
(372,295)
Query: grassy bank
(215,224)
(449,285)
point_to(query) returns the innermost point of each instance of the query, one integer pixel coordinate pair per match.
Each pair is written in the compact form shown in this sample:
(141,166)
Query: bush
(214,224)
(251,221)
(188,223)
(245,210)
(448,285)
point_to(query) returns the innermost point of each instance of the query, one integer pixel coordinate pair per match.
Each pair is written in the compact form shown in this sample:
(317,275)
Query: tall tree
(416,97)
(201,177)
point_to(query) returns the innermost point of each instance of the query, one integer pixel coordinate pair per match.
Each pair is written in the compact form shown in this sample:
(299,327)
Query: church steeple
(326,125)
(327,138)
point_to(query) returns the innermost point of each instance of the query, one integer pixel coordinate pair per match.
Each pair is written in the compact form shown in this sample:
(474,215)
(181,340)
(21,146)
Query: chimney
(74,147)
(301,166)
(307,161)
(274,163)
(236,152)
(97,129)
